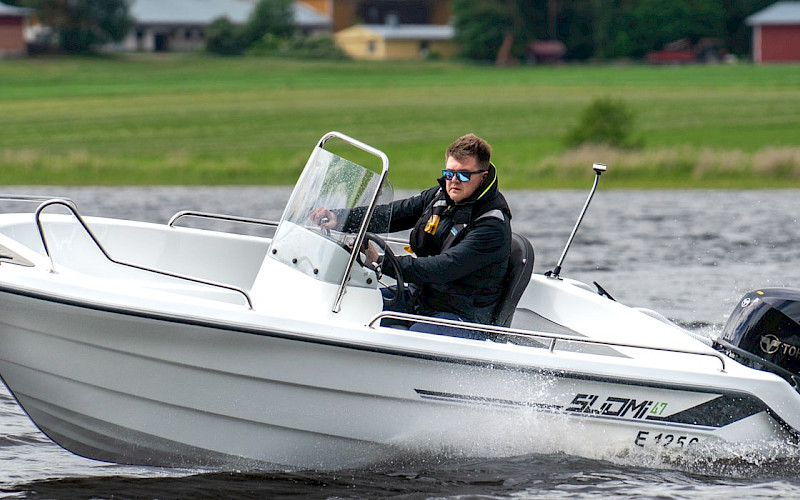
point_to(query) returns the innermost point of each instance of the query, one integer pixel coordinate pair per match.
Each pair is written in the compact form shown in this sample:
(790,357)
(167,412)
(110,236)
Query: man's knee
(452,331)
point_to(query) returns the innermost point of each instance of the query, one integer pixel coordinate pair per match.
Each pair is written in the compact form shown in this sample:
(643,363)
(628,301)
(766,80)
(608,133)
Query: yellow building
(396,41)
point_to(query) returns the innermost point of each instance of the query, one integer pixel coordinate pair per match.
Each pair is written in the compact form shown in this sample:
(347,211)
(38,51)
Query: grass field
(190,119)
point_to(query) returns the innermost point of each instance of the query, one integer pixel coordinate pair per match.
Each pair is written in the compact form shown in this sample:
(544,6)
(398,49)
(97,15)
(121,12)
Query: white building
(179,25)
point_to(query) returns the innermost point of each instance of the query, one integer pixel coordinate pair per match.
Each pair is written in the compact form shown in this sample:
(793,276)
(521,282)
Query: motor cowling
(763,332)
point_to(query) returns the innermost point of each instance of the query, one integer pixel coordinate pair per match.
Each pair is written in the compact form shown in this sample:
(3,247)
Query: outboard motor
(763,332)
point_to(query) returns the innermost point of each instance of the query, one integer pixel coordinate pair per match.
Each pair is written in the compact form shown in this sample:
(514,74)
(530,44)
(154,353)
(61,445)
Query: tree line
(601,29)
(590,29)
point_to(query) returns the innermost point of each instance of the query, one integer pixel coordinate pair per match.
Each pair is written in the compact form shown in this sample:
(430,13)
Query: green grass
(189,119)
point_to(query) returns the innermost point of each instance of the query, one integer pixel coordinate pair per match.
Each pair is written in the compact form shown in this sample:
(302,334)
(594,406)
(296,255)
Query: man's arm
(483,245)
(401,214)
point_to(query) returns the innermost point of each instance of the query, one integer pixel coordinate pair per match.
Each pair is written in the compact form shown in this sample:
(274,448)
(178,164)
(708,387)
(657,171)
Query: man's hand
(323,217)
(371,253)
(371,257)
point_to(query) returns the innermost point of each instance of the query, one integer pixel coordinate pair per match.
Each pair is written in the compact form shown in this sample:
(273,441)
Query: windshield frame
(362,231)
(297,208)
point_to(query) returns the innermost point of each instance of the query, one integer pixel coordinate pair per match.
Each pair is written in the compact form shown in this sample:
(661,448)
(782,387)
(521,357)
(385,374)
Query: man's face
(461,190)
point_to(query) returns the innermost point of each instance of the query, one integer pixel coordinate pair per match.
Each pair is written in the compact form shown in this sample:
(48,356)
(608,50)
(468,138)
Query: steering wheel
(326,233)
(390,259)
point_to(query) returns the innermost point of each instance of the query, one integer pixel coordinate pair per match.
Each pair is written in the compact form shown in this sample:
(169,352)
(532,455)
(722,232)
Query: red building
(776,33)
(12,30)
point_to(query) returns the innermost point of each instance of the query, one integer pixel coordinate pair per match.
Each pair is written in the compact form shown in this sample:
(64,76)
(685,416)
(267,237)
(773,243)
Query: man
(461,237)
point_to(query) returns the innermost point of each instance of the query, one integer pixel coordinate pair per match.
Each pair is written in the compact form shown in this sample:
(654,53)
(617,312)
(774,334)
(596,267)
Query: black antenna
(598,168)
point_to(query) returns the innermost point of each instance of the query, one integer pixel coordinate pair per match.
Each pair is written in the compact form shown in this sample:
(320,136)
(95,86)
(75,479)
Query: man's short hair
(471,145)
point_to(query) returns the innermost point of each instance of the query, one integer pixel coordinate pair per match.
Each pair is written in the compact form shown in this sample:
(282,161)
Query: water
(690,255)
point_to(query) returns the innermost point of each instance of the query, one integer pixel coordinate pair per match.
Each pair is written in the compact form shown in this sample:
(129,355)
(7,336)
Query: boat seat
(520,268)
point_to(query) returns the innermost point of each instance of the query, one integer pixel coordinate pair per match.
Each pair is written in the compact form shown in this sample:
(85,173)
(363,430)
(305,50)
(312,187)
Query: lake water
(690,255)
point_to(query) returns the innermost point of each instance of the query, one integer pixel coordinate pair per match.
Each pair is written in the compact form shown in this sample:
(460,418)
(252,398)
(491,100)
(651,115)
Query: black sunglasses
(462,175)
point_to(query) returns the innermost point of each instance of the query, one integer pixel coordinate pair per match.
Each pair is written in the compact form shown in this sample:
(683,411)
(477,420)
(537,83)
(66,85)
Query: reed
(681,166)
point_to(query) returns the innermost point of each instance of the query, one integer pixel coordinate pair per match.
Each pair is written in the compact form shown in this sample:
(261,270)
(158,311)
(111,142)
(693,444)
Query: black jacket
(461,267)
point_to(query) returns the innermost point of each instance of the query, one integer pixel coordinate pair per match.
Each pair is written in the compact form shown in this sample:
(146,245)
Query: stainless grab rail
(69,205)
(533,335)
(31,197)
(227,218)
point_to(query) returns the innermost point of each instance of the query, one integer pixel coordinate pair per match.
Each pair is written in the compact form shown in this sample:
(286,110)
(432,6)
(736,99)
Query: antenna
(598,168)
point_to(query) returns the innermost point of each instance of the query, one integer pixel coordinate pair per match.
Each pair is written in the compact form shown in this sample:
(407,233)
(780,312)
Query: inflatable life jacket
(443,221)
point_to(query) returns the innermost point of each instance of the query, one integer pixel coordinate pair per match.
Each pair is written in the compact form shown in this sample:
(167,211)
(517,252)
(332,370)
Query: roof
(10,10)
(412,31)
(205,11)
(778,13)
(305,15)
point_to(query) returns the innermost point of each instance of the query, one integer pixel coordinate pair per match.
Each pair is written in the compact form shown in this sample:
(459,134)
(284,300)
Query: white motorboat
(167,345)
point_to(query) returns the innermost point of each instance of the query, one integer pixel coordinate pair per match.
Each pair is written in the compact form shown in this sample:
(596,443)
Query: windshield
(344,187)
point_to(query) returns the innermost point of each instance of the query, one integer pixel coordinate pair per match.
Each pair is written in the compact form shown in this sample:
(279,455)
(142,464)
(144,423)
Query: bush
(270,18)
(273,17)
(83,26)
(299,47)
(604,121)
(224,38)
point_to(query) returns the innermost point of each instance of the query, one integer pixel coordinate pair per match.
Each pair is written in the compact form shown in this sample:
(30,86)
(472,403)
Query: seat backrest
(519,272)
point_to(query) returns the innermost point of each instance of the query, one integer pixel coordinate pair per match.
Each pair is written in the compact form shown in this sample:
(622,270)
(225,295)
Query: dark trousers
(403,305)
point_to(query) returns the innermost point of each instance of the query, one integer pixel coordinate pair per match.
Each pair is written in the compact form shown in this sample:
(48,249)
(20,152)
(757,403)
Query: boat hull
(147,389)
